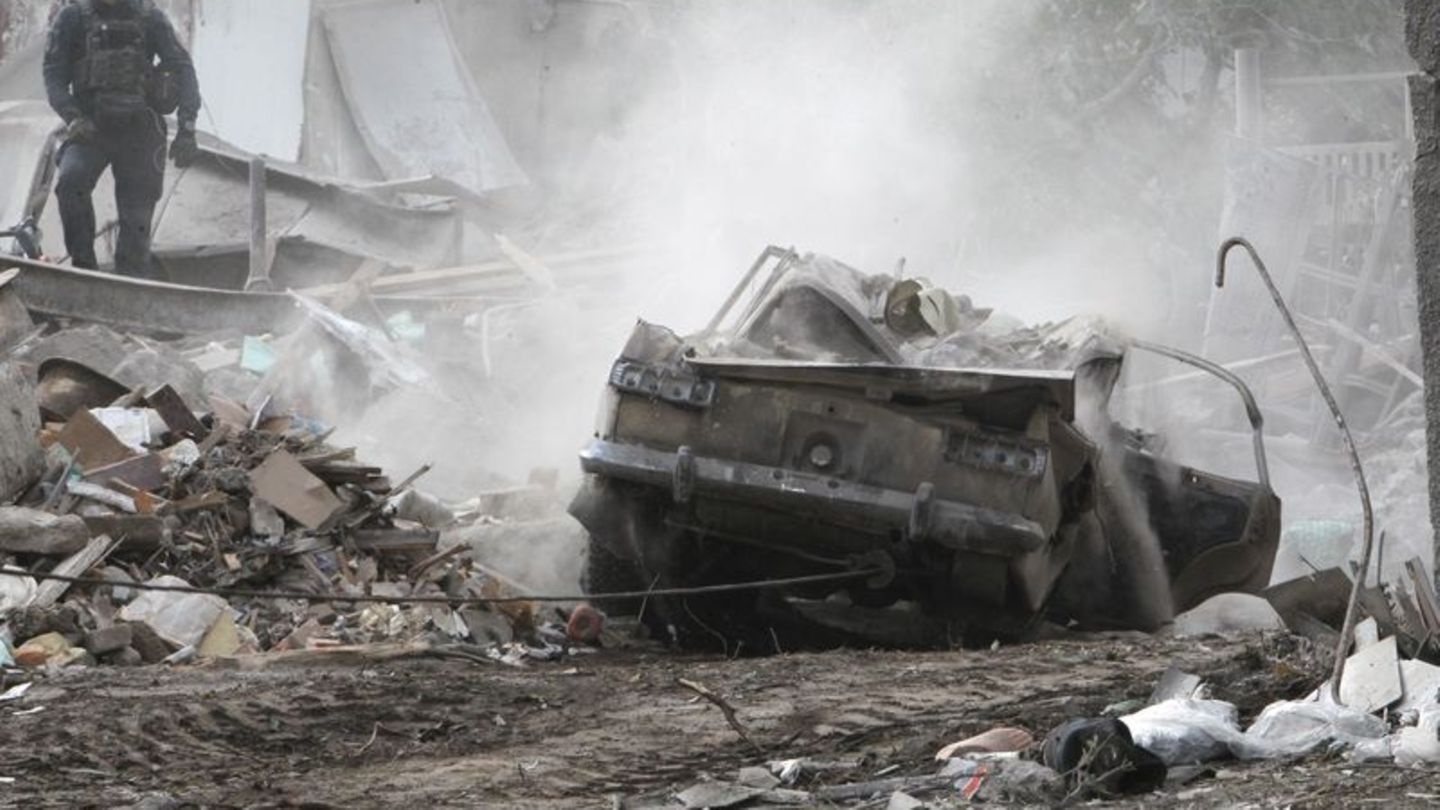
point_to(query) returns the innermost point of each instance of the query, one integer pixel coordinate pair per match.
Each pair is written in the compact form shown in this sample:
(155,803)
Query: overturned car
(900,471)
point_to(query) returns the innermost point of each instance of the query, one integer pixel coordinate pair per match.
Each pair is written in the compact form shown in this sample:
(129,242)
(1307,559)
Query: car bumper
(918,516)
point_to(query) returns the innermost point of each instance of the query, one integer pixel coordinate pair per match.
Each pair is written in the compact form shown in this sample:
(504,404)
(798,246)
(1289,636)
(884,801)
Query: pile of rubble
(137,486)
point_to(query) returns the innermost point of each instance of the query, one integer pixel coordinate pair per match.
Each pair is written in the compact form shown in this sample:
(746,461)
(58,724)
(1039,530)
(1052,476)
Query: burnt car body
(842,422)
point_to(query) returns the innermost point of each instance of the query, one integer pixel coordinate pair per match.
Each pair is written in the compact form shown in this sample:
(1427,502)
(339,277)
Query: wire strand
(244,593)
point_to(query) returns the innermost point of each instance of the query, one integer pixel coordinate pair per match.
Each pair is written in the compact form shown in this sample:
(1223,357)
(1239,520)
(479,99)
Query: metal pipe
(259,232)
(1352,609)
(1252,409)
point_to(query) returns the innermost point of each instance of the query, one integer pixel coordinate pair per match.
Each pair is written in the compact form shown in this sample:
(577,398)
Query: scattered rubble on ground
(124,464)
(194,464)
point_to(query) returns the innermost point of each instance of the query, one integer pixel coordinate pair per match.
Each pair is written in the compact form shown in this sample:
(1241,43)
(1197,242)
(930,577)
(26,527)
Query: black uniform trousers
(134,150)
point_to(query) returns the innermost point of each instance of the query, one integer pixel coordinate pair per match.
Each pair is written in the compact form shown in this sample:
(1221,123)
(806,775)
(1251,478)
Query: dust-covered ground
(581,733)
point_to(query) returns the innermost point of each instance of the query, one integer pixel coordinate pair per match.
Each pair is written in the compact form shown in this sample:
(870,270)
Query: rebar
(1352,608)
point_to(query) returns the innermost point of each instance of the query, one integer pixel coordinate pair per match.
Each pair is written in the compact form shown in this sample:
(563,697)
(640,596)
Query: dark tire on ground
(607,572)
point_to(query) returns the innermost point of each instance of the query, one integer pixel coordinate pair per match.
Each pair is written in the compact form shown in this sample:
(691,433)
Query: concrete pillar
(1422,32)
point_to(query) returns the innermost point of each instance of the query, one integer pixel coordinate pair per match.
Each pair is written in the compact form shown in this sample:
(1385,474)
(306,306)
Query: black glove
(184,150)
(80,130)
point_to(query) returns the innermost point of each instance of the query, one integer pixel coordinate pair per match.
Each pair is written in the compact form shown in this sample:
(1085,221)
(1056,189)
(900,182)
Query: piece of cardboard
(95,445)
(1372,677)
(289,487)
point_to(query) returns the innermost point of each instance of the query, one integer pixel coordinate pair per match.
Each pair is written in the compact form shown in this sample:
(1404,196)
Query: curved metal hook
(1355,467)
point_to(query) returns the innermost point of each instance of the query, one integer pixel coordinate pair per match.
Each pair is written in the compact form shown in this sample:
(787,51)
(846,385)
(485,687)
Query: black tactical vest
(115,69)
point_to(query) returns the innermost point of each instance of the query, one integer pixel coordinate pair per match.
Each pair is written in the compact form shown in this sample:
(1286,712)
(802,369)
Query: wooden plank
(1376,351)
(1424,594)
(327,656)
(50,590)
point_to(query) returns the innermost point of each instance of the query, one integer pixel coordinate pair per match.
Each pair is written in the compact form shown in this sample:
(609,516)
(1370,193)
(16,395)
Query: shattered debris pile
(135,486)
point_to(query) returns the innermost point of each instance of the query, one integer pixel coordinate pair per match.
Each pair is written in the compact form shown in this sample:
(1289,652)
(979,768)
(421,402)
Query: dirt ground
(589,730)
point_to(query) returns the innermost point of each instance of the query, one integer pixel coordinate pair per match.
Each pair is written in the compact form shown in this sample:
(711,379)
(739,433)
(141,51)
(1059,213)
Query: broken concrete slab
(286,484)
(22,460)
(1372,677)
(30,531)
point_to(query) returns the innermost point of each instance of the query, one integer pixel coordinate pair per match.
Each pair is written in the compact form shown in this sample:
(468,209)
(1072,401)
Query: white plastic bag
(1185,731)
(1292,728)
(1419,746)
(179,618)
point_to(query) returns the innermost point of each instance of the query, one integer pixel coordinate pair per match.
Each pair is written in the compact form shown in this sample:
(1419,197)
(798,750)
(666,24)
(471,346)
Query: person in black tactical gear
(102,77)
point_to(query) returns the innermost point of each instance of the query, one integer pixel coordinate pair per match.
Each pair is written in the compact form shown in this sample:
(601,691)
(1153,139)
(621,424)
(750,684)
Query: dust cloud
(988,143)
